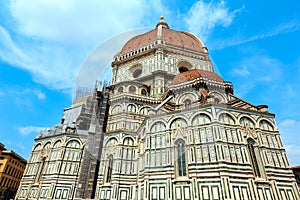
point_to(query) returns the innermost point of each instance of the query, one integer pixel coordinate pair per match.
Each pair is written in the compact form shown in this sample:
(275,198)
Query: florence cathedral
(166,127)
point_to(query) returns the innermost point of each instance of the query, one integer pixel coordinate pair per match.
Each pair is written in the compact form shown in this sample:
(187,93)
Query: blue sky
(43,44)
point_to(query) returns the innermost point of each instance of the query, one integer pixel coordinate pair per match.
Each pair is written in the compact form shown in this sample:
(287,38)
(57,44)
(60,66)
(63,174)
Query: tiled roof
(171,37)
(195,73)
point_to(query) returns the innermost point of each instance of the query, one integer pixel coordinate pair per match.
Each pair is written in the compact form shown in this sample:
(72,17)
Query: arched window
(116,109)
(41,167)
(179,122)
(254,157)
(246,121)
(72,157)
(200,119)
(127,155)
(226,119)
(181,159)
(109,169)
(131,108)
(144,110)
(144,92)
(35,153)
(265,125)
(128,141)
(187,103)
(111,142)
(54,158)
(158,127)
(40,170)
(56,150)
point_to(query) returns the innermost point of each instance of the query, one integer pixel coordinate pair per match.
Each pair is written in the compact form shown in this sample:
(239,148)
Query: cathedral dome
(170,37)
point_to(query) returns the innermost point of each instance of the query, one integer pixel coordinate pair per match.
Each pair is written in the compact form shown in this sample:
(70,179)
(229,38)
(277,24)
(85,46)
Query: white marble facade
(175,130)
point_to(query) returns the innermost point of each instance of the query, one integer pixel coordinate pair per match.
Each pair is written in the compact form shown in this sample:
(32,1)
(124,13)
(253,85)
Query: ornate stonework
(170,128)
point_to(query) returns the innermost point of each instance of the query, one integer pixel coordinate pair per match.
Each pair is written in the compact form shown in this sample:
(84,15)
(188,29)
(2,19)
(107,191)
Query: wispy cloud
(9,50)
(204,17)
(287,123)
(243,71)
(26,93)
(250,74)
(38,93)
(53,46)
(238,39)
(75,22)
(26,130)
(251,67)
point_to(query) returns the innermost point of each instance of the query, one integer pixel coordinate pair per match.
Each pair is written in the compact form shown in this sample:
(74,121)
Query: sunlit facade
(12,168)
(167,127)
(176,130)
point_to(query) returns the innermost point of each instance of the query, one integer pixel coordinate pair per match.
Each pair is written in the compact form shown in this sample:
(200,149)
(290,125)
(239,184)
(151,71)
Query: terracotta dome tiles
(195,73)
(171,37)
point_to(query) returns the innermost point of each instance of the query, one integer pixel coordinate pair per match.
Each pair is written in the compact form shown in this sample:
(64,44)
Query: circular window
(137,73)
(132,89)
(120,89)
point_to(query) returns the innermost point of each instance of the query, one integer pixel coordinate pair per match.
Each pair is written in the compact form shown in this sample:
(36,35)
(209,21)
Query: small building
(12,167)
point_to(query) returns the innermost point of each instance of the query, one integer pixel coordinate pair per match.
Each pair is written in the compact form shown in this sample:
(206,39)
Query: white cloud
(38,93)
(26,130)
(287,122)
(203,17)
(10,50)
(52,38)
(50,64)
(243,71)
(283,28)
(253,71)
(258,68)
(75,22)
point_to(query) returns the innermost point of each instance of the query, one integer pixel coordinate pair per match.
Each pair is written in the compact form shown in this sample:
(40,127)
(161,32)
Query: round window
(120,89)
(137,73)
(132,89)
